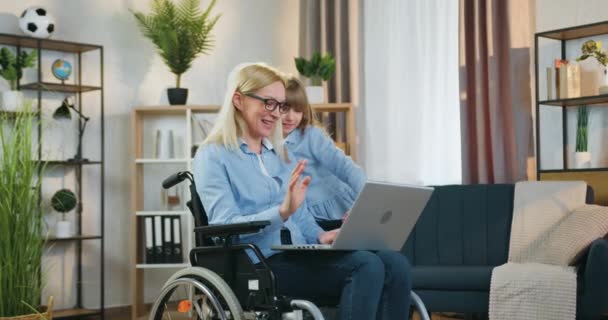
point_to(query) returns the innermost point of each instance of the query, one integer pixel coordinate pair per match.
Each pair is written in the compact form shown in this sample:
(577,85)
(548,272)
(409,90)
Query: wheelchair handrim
(168,290)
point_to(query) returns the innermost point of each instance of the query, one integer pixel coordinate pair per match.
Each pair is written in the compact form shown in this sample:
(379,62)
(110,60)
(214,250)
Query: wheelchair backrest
(200,217)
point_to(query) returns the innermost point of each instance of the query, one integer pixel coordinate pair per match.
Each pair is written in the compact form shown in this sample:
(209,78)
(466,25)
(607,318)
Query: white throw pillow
(562,244)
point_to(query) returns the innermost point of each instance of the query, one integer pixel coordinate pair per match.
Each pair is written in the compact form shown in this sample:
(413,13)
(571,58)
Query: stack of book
(163,239)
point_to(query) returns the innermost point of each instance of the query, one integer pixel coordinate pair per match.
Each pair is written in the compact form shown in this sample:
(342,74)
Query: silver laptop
(381,219)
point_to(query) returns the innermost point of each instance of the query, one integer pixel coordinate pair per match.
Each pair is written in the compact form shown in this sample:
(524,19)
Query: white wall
(556,14)
(261,30)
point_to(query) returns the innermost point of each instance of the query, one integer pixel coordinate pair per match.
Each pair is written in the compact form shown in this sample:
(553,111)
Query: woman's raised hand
(296,191)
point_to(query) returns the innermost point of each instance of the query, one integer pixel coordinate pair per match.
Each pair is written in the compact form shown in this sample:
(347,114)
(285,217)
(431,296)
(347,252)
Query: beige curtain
(332,26)
(496,94)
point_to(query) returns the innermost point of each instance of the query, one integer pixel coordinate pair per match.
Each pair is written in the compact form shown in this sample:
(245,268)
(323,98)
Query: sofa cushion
(463,225)
(463,278)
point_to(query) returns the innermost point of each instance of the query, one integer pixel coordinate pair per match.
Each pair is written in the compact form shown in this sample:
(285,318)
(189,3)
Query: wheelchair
(223,283)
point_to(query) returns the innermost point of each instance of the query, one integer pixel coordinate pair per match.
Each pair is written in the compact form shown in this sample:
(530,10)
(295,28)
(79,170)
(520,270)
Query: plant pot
(12,100)
(177,96)
(315,94)
(582,160)
(46,315)
(603,89)
(63,229)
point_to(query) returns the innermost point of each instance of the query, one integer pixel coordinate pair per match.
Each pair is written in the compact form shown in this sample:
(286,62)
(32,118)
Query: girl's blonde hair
(230,125)
(295,95)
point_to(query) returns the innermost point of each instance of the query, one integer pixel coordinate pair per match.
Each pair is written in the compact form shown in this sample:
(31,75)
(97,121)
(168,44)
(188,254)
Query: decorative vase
(12,100)
(164,148)
(63,229)
(177,96)
(315,94)
(603,89)
(582,160)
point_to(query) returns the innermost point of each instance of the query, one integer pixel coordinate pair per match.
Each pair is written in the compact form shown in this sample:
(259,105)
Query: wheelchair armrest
(227,230)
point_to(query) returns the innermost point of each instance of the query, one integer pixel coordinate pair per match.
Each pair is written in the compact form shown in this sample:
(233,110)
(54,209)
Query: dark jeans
(367,285)
(328,225)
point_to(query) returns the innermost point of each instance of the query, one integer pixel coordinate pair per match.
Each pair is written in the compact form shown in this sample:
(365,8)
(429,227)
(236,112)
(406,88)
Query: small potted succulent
(11,69)
(319,68)
(593,49)
(63,201)
(180,33)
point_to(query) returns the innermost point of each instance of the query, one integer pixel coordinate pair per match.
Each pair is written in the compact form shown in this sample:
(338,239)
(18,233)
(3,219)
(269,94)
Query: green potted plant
(11,69)
(180,33)
(593,49)
(21,278)
(63,201)
(319,68)
(582,157)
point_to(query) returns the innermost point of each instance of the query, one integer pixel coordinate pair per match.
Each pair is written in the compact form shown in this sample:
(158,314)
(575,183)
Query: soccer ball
(36,22)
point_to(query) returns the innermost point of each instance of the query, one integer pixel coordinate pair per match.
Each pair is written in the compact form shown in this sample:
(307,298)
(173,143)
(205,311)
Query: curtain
(410,112)
(331,26)
(496,97)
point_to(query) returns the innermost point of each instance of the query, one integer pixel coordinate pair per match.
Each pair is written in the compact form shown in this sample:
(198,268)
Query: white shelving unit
(148,173)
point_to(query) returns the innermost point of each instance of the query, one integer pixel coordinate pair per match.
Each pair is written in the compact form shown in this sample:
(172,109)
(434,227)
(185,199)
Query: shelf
(74,313)
(160,161)
(58,87)
(46,44)
(324,107)
(331,107)
(13,114)
(575,102)
(68,163)
(572,170)
(588,30)
(162,213)
(161,265)
(73,238)
(176,109)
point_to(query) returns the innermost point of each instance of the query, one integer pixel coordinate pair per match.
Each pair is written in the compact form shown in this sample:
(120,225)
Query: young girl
(337,179)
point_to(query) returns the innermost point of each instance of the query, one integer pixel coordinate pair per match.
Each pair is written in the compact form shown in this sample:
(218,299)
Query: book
(177,240)
(167,240)
(561,79)
(573,80)
(149,234)
(550,84)
(158,240)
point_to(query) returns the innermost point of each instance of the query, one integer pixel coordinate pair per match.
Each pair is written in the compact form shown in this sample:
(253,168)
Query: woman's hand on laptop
(329,237)
(296,191)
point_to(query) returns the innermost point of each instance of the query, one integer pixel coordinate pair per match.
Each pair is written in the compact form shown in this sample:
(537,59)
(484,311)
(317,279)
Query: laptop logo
(386,217)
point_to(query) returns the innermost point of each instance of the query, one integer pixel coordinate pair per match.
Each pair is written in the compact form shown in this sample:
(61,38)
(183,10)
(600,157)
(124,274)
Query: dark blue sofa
(464,232)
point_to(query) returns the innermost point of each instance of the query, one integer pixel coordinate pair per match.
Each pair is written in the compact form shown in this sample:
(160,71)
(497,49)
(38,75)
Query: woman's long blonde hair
(230,125)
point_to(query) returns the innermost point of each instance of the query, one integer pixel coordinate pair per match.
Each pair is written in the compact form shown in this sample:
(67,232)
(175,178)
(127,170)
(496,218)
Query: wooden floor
(124,313)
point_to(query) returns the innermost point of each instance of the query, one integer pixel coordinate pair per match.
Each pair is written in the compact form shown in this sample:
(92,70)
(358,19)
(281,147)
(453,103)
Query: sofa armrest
(595,281)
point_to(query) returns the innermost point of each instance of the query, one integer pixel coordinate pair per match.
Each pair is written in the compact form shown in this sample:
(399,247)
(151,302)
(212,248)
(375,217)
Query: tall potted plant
(11,69)
(21,243)
(180,33)
(582,157)
(319,68)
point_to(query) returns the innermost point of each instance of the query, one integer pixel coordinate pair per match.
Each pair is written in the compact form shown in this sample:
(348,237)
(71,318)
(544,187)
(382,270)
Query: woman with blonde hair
(242,173)
(338,180)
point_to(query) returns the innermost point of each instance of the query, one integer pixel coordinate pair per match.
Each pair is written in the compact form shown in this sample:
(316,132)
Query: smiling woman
(243,174)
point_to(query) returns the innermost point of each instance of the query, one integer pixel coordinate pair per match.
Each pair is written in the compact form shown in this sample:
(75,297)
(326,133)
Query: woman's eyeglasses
(271,104)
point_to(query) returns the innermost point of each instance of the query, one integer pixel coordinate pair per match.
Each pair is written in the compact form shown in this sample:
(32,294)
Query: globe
(61,69)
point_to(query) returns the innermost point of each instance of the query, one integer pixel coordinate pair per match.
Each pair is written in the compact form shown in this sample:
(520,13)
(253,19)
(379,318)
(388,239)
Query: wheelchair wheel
(196,293)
